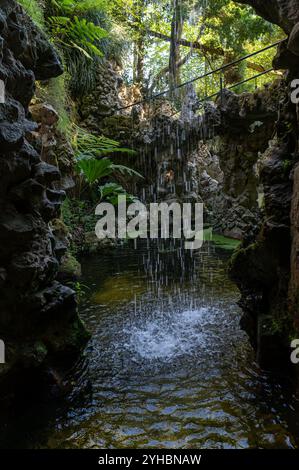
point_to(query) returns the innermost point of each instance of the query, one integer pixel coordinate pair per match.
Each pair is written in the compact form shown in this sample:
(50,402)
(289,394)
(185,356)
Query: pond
(168,365)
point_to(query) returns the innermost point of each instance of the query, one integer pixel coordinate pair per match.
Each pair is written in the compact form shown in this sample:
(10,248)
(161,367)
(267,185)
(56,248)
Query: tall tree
(177,25)
(176,39)
(139,42)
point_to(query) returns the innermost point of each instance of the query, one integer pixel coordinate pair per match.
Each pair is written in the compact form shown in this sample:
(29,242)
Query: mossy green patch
(113,125)
(225,243)
(70,267)
(55,92)
(220,240)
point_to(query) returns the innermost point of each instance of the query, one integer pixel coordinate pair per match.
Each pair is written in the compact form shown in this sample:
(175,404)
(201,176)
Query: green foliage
(126,171)
(80,289)
(84,32)
(225,243)
(78,6)
(66,212)
(94,165)
(55,92)
(78,36)
(95,170)
(226,30)
(87,31)
(220,241)
(78,213)
(89,145)
(34,8)
(77,33)
(79,216)
(110,192)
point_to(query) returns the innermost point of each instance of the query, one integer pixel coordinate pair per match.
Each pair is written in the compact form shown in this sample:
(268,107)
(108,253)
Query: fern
(90,146)
(91,153)
(78,6)
(95,170)
(78,33)
(126,171)
(84,33)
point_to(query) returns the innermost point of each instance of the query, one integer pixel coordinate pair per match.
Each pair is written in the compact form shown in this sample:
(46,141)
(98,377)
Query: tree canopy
(177,40)
(159,43)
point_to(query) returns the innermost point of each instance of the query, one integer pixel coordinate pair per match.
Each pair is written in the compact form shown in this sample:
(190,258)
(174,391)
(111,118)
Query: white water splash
(170,335)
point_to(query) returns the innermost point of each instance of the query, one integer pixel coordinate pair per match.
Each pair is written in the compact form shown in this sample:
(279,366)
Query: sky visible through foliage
(157,43)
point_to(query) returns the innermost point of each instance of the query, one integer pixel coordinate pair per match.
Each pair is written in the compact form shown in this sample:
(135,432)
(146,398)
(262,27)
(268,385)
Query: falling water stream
(167,366)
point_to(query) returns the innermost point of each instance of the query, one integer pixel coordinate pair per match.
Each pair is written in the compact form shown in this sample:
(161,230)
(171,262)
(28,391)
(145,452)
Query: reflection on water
(124,290)
(168,365)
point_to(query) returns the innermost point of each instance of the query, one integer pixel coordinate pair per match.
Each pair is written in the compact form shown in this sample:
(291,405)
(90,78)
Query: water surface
(168,365)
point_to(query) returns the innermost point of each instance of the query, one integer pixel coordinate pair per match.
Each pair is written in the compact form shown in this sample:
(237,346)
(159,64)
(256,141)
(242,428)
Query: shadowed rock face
(38,317)
(294,284)
(267,270)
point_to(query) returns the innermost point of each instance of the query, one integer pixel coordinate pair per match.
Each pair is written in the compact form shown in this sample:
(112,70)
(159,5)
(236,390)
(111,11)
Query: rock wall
(38,317)
(243,125)
(266,268)
(104,100)
(294,282)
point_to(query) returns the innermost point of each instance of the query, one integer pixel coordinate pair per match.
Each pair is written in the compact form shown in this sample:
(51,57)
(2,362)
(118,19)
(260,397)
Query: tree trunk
(139,50)
(174,52)
(139,46)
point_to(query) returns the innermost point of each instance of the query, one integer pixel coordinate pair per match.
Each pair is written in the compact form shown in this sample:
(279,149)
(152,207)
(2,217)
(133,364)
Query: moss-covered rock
(118,127)
(70,268)
(93,245)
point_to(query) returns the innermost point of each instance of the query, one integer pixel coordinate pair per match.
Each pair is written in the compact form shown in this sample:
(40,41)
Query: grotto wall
(103,100)
(38,317)
(243,125)
(266,268)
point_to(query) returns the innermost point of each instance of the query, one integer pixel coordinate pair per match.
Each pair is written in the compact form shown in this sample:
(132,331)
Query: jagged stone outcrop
(206,180)
(38,317)
(170,151)
(262,268)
